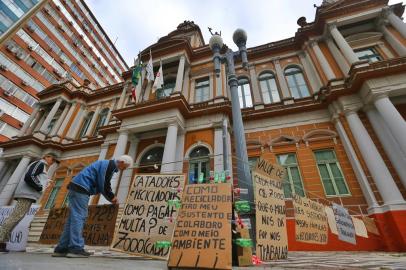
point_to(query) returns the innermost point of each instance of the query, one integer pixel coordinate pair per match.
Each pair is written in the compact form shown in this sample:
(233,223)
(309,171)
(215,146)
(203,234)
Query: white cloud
(138,23)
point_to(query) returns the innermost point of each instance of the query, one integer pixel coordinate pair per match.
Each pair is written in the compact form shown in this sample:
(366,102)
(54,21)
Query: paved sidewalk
(39,258)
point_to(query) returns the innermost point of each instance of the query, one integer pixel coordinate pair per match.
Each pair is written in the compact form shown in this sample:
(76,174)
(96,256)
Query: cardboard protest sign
(271,235)
(19,235)
(146,213)
(273,171)
(202,238)
(311,221)
(331,219)
(97,231)
(370,225)
(360,228)
(345,227)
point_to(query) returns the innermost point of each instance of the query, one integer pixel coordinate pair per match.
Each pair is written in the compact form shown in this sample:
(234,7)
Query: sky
(136,24)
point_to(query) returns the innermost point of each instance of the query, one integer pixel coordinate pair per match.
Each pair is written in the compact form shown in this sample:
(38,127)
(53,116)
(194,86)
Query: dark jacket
(95,179)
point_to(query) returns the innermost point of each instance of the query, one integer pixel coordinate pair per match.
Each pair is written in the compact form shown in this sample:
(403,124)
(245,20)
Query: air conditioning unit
(30,28)
(83,53)
(99,58)
(81,36)
(61,28)
(46,10)
(62,61)
(19,55)
(24,83)
(31,48)
(75,43)
(93,65)
(3,67)
(9,47)
(70,22)
(58,7)
(57,73)
(7,93)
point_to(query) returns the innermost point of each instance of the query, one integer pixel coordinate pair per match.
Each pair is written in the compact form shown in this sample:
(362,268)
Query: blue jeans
(72,236)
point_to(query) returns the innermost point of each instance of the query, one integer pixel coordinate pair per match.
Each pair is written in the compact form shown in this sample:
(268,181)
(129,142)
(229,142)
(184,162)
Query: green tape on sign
(244,242)
(242,206)
(163,244)
(177,203)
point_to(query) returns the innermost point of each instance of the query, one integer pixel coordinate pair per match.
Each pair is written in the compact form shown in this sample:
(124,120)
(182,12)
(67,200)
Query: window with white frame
(269,88)
(296,82)
(244,93)
(331,173)
(202,89)
(369,54)
(293,180)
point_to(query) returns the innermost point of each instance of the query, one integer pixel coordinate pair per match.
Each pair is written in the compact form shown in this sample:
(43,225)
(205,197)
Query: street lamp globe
(240,37)
(215,42)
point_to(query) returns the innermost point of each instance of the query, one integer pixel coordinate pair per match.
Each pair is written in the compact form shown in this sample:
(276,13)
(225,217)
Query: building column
(380,173)
(127,174)
(179,75)
(342,63)
(322,60)
(50,116)
(389,143)
(281,79)
(180,145)
(343,44)
(66,120)
(36,123)
(61,118)
(8,191)
(218,147)
(120,150)
(255,86)
(121,101)
(311,74)
(6,175)
(29,121)
(95,117)
(185,88)
(393,119)
(169,156)
(396,22)
(76,123)
(393,41)
(356,165)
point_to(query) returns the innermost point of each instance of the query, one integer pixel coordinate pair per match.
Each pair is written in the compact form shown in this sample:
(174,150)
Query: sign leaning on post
(271,235)
(148,213)
(19,235)
(202,238)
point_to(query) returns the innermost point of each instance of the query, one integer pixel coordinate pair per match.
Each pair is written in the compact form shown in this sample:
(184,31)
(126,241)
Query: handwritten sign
(370,225)
(98,229)
(202,238)
(19,235)
(311,221)
(345,227)
(146,214)
(360,228)
(271,170)
(272,239)
(331,219)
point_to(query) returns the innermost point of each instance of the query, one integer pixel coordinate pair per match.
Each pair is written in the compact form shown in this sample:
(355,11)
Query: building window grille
(269,88)
(293,180)
(296,82)
(331,173)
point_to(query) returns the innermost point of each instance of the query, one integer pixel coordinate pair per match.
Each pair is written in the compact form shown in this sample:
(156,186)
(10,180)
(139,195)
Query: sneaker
(78,254)
(3,248)
(60,252)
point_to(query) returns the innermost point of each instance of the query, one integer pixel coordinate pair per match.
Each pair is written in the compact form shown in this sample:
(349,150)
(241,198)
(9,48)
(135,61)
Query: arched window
(151,160)
(101,121)
(269,88)
(244,93)
(86,124)
(199,164)
(296,82)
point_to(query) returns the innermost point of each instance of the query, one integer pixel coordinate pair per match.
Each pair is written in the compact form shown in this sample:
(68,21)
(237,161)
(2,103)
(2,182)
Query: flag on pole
(159,80)
(150,68)
(135,78)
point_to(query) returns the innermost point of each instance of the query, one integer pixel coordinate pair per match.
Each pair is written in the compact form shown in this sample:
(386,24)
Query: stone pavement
(38,258)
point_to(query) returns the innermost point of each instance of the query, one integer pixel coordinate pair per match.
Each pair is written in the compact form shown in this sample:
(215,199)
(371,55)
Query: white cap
(126,159)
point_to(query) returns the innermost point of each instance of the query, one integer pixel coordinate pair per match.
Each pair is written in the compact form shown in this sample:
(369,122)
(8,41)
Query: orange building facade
(328,104)
(54,42)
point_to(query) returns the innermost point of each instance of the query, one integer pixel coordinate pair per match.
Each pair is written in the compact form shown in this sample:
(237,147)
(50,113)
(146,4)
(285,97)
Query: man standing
(28,191)
(92,180)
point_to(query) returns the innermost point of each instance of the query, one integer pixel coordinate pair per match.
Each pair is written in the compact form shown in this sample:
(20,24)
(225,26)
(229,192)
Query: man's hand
(114,200)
